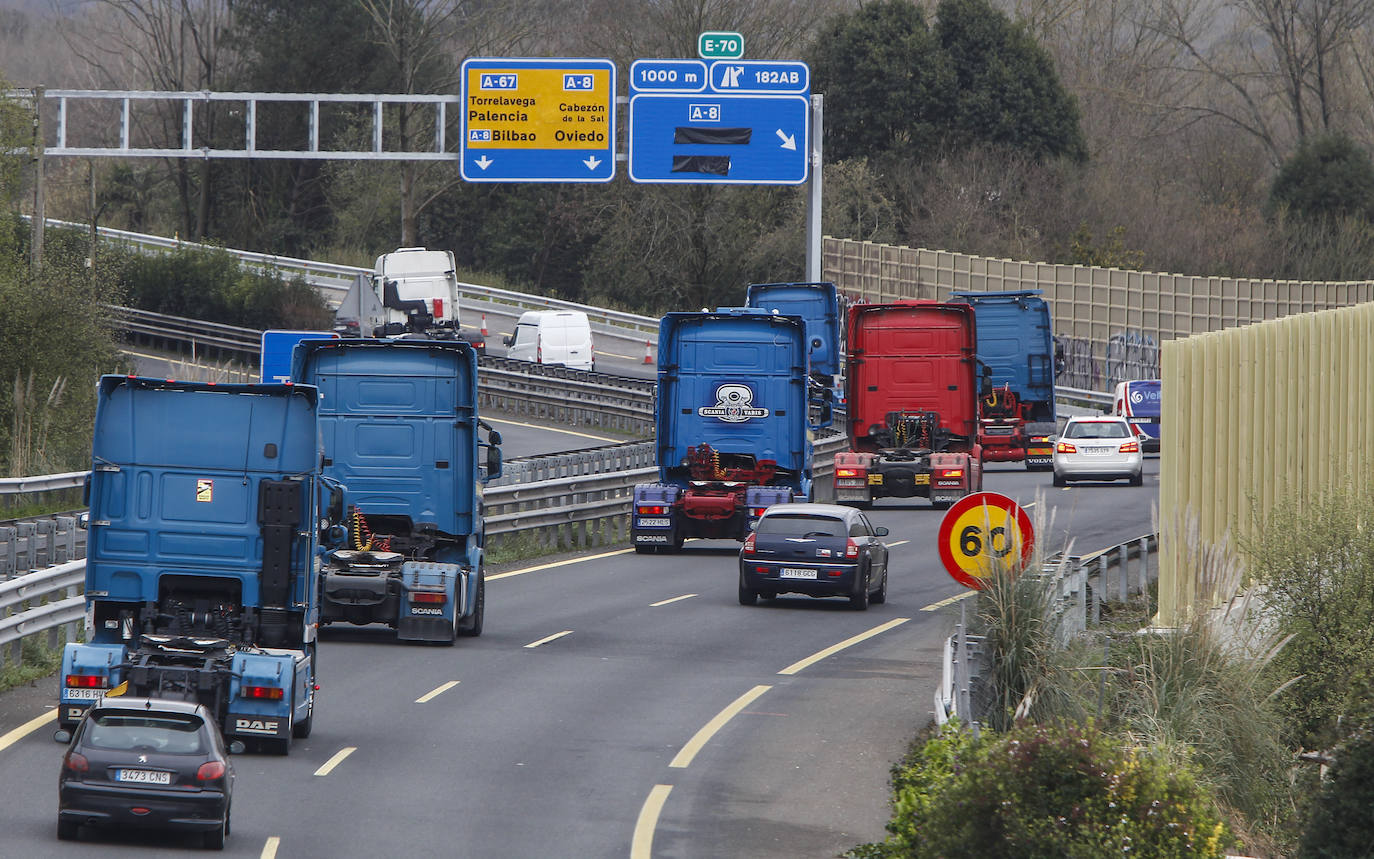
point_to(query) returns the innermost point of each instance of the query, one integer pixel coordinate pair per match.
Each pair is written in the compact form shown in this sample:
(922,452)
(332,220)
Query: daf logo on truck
(267,727)
(734,404)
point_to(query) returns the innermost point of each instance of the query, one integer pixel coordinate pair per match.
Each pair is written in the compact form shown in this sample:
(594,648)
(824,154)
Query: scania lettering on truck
(402,435)
(733,425)
(1016,344)
(913,383)
(207,509)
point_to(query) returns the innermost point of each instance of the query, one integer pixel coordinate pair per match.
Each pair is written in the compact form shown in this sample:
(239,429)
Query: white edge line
(435,693)
(700,738)
(547,639)
(336,760)
(672,600)
(549,429)
(642,845)
(564,563)
(269,850)
(848,642)
(951,601)
(898,543)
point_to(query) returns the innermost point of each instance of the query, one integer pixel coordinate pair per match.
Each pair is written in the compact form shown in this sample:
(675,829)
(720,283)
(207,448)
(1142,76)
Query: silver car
(1097,448)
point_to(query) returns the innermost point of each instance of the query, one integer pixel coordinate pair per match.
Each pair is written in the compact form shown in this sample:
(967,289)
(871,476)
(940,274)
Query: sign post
(982,534)
(538,120)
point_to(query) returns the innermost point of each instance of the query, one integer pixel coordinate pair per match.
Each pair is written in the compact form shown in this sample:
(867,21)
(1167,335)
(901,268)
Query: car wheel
(1138,479)
(228,828)
(68,830)
(1059,480)
(214,839)
(747,595)
(472,627)
(880,595)
(859,600)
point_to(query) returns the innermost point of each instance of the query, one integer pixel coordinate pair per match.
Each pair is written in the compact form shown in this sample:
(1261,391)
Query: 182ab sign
(984,534)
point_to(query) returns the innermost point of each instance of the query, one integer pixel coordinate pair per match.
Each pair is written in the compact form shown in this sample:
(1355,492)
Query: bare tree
(169,45)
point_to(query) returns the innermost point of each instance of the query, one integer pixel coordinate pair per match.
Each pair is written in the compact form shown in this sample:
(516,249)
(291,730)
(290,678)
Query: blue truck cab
(402,435)
(1016,344)
(733,422)
(818,304)
(207,511)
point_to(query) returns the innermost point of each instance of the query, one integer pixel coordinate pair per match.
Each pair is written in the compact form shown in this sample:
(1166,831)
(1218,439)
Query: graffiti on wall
(1129,354)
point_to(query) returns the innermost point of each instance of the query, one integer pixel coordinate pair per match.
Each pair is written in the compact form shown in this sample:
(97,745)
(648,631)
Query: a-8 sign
(984,534)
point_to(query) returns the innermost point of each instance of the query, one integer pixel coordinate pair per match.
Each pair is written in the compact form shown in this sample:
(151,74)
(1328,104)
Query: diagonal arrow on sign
(789,141)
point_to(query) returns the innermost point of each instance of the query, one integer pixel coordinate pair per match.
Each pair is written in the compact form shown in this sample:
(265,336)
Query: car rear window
(802,526)
(163,732)
(1097,429)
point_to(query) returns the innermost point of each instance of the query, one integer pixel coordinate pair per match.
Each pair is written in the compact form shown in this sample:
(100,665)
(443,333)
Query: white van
(553,337)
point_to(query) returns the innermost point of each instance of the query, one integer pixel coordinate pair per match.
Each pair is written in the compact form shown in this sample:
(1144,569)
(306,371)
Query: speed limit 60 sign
(984,533)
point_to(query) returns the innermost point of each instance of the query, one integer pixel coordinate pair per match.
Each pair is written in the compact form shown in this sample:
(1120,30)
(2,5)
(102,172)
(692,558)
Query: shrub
(1341,825)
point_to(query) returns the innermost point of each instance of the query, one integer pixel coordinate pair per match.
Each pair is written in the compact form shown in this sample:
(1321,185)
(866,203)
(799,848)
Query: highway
(617,704)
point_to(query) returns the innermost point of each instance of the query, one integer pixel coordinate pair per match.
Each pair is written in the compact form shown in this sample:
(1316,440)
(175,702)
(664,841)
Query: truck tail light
(437,597)
(76,762)
(1131,447)
(85,681)
(539,354)
(1065,447)
(756,512)
(262,693)
(851,549)
(651,510)
(850,472)
(952,472)
(748,544)
(210,771)
(438,308)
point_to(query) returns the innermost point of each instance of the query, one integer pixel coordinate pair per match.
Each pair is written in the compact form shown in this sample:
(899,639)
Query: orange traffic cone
(648,356)
(484,325)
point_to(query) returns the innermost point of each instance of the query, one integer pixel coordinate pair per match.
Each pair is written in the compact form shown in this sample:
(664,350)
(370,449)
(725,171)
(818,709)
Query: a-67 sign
(984,534)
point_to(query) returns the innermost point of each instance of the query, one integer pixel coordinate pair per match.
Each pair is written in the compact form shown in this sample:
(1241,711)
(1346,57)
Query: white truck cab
(553,337)
(418,289)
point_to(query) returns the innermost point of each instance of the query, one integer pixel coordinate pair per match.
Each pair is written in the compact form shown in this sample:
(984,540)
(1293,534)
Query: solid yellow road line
(708,731)
(642,846)
(19,733)
(547,639)
(269,850)
(673,600)
(568,562)
(430,696)
(848,642)
(936,606)
(336,760)
(549,428)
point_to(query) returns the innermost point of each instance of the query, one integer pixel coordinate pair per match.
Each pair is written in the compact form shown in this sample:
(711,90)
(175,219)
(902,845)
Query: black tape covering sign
(712,136)
(715,165)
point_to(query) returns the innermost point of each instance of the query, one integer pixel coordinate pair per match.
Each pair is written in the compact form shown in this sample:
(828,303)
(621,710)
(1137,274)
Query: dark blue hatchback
(821,550)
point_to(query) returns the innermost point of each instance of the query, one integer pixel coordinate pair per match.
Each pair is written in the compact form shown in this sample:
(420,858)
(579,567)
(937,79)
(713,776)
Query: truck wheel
(300,730)
(859,600)
(472,627)
(747,595)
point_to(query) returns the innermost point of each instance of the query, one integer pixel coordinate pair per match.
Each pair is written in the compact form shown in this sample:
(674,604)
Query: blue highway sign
(714,138)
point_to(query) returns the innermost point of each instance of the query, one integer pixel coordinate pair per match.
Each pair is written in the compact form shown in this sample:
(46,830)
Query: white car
(1097,448)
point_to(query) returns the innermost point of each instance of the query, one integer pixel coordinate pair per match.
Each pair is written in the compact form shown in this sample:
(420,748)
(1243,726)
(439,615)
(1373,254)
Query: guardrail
(41,602)
(1078,585)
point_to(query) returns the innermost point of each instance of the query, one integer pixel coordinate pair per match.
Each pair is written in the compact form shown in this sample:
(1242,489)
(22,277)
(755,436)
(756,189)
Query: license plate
(922,480)
(85,694)
(1096,451)
(875,480)
(796,573)
(144,776)
(655,523)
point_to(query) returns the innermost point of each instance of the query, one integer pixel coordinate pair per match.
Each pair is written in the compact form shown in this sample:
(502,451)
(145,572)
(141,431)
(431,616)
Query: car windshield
(1097,429)
(161,732)
(802,526)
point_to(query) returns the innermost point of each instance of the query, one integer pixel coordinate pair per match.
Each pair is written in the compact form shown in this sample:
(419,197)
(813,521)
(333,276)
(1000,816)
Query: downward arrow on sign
(789,141)
(592,162)
(484,162)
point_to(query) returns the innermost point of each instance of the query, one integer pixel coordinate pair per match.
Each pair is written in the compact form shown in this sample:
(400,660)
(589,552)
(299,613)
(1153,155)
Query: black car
(821,550)
(146,763)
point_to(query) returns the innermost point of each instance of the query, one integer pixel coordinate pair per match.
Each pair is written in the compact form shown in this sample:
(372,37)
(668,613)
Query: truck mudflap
(262,692)
(652,520)
(952,476)
(433,600)
(759,498)
(88,672)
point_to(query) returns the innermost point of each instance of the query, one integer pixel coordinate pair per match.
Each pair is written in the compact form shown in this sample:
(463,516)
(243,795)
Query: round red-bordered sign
(982,533)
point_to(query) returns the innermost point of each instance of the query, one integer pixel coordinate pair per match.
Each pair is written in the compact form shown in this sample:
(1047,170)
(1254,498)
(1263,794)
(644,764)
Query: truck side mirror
(336,504)
(493,462)
(985,389)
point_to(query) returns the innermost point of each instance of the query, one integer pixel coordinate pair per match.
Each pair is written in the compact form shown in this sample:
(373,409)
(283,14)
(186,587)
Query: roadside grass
(38,661)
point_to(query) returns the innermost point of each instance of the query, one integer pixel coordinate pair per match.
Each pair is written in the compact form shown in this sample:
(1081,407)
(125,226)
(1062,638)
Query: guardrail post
(65,548)
(72,591)
(24,531)
(45,539)
(9,536)
(1144,568)
(1123,560)
(1097,596)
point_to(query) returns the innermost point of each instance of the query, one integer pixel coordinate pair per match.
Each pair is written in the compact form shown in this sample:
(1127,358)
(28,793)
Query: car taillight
(76,762)
(264,693)
(748,545)
(438,308)
(428,597)
(1131,447)
(210,771)
(849,472)
(85,681)
(1065,447)
(851,549)
(652,510)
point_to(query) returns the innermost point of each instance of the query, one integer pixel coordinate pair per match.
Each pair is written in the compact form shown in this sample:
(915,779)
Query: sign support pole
(813,200)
